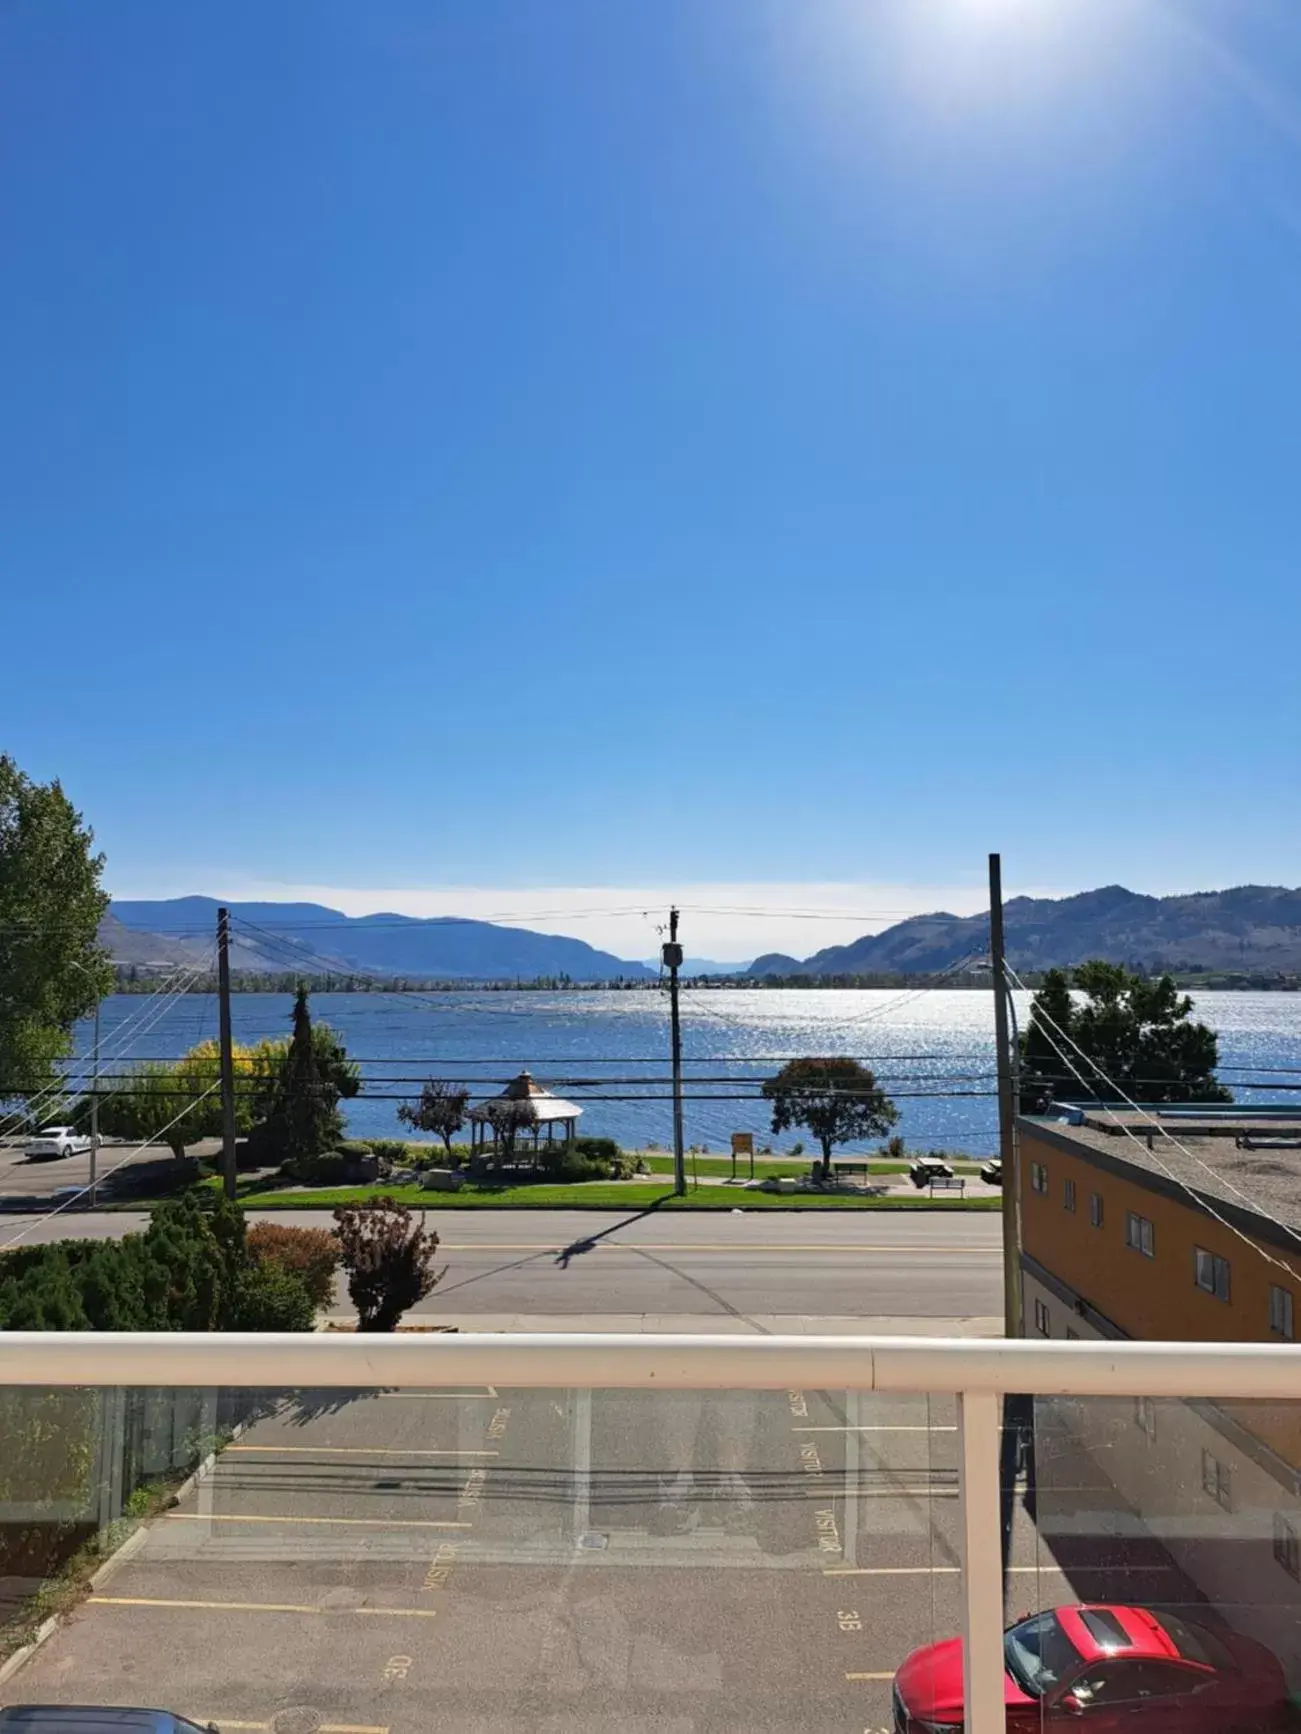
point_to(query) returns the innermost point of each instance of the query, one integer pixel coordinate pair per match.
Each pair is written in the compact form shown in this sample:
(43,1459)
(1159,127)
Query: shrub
(598,1149)
(355,1147)
(311,1254)
(270,1297)
(896,1149)
(392,1149)
(566,1167)
(327,1169)
(389,1258)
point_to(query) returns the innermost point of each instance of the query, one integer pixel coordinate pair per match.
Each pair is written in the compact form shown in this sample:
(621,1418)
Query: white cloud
(728,922)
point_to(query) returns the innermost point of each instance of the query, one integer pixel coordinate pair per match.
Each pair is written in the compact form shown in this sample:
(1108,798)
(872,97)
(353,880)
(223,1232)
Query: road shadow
(576,1248)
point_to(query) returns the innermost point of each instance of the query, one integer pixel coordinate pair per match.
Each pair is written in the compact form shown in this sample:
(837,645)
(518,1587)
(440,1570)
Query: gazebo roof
(526,1088)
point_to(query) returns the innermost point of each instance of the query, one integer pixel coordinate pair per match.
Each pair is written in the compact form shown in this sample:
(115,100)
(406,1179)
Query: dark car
(95,1719)
(991,1172)
(1107,1670)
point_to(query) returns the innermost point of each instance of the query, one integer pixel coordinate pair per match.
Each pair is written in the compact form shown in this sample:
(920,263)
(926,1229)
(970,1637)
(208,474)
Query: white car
(53,1142)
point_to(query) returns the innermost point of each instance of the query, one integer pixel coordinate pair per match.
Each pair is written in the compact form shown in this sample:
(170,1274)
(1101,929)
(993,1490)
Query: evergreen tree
(1137,1038)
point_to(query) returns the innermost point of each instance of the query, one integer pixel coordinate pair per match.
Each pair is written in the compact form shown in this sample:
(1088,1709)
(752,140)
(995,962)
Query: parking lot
(491,1559)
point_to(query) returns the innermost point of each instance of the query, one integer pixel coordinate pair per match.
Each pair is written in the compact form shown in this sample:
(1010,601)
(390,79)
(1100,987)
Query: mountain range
(316,940)
(1251,927)
(1254,928)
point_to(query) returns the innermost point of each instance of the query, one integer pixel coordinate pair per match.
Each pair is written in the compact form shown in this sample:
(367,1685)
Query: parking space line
(1011,1570)
(224,1722)
(259,1607)
(349,1451)
(888,1675)
(899,1429)
(365,1522)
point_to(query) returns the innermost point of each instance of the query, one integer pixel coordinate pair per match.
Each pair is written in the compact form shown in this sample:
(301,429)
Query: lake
(932,1049)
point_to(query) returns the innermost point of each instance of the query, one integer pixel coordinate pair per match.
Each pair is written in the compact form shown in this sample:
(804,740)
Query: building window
(1145,1415)
(1140,1234)
(1095,1209)
(1038,1177)
(1287,1545)
(1280,1311)
(1211,1272)
(1068,1195)
(1216,1480)
(1041,1320)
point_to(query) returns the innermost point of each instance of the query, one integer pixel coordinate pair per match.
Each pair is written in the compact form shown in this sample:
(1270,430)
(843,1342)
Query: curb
(120,1556)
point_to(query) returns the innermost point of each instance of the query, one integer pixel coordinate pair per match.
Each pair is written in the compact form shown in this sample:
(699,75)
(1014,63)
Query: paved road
(489,1560)
(761,1265)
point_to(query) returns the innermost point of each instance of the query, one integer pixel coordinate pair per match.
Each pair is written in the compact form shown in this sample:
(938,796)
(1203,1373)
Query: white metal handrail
(613,1361)
(977,1371)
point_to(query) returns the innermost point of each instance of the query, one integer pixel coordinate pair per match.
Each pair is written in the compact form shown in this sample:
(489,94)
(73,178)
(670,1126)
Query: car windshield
(1039,1654)
(1196,1644)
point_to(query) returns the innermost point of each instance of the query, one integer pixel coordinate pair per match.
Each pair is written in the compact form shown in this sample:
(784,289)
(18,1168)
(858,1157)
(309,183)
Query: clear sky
(463,450)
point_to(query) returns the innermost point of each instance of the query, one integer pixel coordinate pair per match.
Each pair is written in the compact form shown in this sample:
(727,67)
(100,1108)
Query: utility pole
(227,1055)
(1006,1107)
(94,1117)
(671,956)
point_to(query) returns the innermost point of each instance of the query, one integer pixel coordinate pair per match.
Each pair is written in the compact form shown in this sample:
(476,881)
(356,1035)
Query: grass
(598,1195)
(766,1168)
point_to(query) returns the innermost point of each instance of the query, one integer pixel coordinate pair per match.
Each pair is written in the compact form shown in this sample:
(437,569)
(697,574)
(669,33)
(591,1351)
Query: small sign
(743,1143)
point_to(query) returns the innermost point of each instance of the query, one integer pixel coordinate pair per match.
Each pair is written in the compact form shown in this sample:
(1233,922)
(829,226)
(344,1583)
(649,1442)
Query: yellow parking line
(890,1570)
(899,1429)
(888,1675)
(224,1722)
(227,1607)
(260,1607)
(349,1451)
(369,1522)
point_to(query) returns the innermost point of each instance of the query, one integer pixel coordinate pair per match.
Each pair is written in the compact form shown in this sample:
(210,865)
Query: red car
(1105,1669)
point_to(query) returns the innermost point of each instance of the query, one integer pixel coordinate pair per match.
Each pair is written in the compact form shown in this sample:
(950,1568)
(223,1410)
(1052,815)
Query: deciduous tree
(441,1110)
(837,1100)
(52,968)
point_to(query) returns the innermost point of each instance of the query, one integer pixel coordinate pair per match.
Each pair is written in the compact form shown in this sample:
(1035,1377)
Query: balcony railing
(1218,1388)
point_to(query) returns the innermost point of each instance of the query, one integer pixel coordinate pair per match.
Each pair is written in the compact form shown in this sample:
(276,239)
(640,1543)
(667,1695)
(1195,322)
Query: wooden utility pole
(671,956)
(1006,1107)
(227,1054)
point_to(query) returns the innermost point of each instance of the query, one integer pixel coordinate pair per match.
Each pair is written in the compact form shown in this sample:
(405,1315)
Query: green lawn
(594,1195)
(765,1167)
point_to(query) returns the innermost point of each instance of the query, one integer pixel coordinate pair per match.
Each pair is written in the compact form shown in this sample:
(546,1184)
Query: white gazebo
(537,1108)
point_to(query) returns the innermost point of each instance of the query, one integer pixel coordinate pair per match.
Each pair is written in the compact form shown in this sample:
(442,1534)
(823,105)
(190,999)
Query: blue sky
(455,451)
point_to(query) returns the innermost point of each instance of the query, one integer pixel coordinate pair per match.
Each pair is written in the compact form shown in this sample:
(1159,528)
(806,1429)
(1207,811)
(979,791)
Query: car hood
(930,1683)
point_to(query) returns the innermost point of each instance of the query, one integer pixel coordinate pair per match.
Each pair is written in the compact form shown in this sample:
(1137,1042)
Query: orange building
(1195,1237)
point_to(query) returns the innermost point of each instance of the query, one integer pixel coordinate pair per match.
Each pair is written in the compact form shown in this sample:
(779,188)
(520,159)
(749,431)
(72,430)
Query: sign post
(743,1145)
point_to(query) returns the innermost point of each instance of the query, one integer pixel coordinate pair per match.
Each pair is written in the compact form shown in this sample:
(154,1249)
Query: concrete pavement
(485,1559)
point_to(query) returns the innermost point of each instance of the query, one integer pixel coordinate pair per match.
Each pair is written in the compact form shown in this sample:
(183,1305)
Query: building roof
(1245,1162)
(526,1088)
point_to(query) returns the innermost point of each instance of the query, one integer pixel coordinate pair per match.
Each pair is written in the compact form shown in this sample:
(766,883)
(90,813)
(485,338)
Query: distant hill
(1251,927)
(319,939)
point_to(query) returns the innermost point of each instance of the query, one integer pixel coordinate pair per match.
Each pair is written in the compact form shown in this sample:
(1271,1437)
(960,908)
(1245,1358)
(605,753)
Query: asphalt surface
(755,1269)
(488,1560)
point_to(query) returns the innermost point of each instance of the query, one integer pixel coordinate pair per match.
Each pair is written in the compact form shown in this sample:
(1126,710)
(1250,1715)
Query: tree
(303,1083)
(441,1110)
(835,1099)
(1137,1033)
(508,1117)
(177,1103)
(389,1258)
(52,968)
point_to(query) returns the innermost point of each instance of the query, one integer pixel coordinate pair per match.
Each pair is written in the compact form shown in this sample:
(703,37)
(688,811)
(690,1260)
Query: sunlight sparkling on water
(917,1040)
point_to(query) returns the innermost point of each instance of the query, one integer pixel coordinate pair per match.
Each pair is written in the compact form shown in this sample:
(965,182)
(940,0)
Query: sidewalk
(694,1324)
